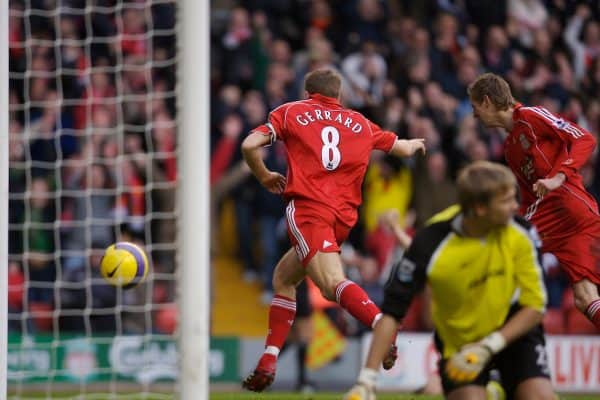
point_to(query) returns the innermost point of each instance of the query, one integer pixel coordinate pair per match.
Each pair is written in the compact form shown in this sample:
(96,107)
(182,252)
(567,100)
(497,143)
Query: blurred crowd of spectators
(92,160)
(406,65)
(93,134)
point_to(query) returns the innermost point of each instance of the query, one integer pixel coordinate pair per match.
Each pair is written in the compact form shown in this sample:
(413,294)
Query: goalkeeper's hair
(323,81)
(495,88)
(480,181)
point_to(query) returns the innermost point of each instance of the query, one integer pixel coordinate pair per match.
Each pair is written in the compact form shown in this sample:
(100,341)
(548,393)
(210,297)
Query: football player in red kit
(545,153)
(328,150)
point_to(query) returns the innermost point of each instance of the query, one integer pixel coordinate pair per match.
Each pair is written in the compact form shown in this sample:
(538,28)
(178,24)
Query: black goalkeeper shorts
(523,359)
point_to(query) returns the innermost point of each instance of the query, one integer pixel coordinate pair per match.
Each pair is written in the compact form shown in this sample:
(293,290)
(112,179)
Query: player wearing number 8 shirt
(545,153)
(328,150)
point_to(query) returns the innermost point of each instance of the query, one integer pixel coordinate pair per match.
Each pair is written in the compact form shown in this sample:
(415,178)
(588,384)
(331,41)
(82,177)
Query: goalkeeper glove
(469,361)
(365,386)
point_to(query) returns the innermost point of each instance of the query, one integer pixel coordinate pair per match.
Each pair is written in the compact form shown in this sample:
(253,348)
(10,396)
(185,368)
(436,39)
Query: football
(124,264)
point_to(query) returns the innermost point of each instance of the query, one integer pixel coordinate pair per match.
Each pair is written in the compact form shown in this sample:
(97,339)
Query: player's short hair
(494,87)
(324,81)
(480,181)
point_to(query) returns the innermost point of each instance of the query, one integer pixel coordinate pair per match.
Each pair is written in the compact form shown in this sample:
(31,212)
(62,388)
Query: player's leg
(587,300)
(304,332)
(326,271)
(580,259)
(524,369)
(288,274)
(316,234)
(535,389)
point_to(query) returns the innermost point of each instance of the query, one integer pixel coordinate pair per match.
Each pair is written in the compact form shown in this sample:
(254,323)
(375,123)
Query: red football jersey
(539,146)
(328,150)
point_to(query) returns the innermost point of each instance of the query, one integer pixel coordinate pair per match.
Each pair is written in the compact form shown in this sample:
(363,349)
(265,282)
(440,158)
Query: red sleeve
(579,143)
(276,122)
(382,140)
(275,125)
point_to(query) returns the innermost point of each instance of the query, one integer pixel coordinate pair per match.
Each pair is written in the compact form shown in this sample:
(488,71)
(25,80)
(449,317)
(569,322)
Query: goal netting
(93,159)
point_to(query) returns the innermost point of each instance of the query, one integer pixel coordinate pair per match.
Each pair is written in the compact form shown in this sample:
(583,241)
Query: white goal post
(104,137)
(3,195)
(194,134)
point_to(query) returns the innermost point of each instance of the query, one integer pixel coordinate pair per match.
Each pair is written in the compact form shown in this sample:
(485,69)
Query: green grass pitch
(315,396)
(338,396)
(254,396)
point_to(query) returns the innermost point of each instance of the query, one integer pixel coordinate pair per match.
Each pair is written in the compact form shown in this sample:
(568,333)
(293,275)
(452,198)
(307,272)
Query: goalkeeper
(487,294)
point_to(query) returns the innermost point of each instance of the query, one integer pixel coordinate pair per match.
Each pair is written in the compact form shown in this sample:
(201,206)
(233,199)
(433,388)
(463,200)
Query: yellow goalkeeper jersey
(473,281)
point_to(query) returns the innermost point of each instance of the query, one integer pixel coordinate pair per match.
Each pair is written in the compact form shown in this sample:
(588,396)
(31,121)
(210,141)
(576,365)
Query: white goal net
(93,160)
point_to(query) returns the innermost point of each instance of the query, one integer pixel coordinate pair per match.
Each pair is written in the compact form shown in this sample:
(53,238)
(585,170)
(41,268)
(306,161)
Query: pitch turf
(315,396)
(252,396)
(338,396)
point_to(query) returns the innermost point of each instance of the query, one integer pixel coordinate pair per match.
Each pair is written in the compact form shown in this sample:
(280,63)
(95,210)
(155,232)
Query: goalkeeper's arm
(466,364)
(519,324)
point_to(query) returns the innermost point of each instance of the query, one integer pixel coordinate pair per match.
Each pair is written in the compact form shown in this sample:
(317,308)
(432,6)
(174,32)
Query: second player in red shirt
(545,152)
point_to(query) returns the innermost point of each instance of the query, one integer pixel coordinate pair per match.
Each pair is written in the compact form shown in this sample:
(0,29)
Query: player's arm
(388,141)
(407,147)
(578,142)
(252,150)
(467,363)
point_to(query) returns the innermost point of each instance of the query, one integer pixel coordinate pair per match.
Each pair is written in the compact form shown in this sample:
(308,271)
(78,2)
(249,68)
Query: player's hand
(360,391)
(417,145)
(543,186)
(389,218)
(468,362)
(274,182)
(407,148)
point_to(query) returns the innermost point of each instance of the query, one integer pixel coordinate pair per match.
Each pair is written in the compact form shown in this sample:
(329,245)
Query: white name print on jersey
(309,117)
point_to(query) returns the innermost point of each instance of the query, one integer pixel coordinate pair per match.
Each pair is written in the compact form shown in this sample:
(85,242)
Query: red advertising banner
(574,362)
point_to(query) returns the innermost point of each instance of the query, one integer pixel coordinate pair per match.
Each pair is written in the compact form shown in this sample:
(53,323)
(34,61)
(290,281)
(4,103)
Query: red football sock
(354,299)
(593,313)
(281,318)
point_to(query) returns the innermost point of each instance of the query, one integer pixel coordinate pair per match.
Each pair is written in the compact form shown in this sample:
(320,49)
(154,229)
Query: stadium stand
(405,64)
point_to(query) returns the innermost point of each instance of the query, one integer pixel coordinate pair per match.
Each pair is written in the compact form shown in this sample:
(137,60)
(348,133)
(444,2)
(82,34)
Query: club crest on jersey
(527,168)
(524,142)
